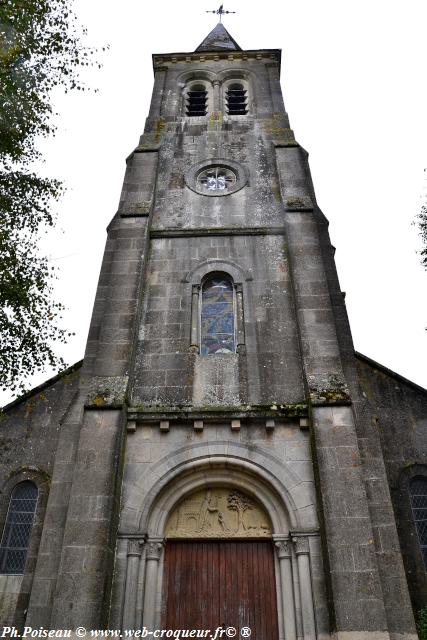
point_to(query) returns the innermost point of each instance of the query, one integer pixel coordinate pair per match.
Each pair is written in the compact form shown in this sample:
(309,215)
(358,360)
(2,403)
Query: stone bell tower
(216,464)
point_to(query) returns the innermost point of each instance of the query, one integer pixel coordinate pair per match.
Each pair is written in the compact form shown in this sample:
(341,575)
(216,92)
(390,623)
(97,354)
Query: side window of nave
(418,493)
(17,529)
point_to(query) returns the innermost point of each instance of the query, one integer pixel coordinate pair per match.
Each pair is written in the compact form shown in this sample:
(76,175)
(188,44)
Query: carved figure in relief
(218,513)
(210,514)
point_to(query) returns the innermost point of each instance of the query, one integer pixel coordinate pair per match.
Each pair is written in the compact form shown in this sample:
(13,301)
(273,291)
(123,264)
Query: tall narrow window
(217,315)
(418,491)
(197,99)
(236,99)
(17,530)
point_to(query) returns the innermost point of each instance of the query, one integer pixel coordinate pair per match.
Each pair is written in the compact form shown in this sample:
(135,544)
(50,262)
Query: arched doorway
(219,568)
(277,500)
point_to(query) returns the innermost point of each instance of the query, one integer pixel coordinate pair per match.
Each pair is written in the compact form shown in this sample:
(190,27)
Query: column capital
(135,546)
(301,545)
(283,548)
(154,549)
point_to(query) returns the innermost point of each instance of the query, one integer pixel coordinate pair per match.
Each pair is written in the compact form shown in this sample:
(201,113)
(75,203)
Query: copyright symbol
(80,632)
(230,632)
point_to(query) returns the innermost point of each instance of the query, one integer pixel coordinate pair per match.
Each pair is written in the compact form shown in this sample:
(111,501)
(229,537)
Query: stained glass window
(217,316)
(216,178)
(17,530)
(418,491)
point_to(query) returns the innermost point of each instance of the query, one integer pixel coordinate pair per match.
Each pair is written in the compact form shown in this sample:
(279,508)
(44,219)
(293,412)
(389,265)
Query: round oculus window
(216,178)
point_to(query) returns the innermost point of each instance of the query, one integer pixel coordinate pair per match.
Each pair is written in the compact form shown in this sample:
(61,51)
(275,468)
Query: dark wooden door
(221,583)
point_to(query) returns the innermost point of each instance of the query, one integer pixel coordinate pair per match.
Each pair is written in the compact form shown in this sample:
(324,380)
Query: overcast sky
(353,78)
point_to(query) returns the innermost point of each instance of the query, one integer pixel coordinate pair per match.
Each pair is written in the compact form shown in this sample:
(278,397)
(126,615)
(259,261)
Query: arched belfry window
(17,529)
(418,492)
(217,315)
(197,100)
(236,99)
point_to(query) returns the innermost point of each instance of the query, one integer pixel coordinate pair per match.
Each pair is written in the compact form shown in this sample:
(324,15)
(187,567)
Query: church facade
(221,458)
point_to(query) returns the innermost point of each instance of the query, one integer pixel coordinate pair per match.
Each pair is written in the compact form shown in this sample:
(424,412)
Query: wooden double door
(214,583)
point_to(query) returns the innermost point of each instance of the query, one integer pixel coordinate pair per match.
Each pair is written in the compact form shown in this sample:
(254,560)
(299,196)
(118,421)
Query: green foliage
(422,624)
(40,49)
(422,225)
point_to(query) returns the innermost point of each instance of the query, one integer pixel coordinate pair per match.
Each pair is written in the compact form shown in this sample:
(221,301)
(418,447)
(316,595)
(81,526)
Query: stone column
(153,552)
(195,318)
(240,318)
(284,553)
(132,570)
(216,104)
(302,550)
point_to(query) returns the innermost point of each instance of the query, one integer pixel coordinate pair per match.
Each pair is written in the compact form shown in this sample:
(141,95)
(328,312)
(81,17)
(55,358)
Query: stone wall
(164,465)
(398,416)
(29,433)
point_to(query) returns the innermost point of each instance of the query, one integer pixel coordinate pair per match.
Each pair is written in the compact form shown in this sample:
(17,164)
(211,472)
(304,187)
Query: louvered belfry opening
(197,99)
(237,101)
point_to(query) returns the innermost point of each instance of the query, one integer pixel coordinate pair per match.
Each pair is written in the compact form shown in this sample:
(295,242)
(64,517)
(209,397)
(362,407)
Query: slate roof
(218,40)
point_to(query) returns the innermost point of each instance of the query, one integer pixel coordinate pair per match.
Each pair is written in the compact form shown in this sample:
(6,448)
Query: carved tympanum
(218,513)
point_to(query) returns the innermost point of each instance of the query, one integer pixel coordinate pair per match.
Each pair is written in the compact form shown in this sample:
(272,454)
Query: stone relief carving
(218,513)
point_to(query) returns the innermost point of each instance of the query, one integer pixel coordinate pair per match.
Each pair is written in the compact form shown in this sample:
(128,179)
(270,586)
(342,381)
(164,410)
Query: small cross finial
(220,12)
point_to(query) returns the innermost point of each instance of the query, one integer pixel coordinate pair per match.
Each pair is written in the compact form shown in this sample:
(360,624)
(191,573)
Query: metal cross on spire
(220,12)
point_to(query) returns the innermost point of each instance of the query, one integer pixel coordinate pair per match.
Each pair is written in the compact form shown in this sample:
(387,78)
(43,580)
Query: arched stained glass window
(217,315)
(17,530)
(418,491)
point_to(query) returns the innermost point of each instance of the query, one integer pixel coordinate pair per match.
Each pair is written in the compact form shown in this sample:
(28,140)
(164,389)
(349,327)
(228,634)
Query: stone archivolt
(218,513)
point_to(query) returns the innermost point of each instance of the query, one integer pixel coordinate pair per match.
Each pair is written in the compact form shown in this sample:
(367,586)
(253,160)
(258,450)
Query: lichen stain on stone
(30,469)
(294,202)
(276,193)
(29,408)
(160,126)
(331,390)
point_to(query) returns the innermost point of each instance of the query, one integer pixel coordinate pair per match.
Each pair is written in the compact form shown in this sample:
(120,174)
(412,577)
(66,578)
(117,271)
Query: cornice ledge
(216,231)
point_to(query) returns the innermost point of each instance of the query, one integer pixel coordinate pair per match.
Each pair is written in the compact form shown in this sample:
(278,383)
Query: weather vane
(220,12)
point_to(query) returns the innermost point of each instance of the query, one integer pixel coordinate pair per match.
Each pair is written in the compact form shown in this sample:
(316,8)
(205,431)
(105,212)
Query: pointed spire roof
(218,40)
